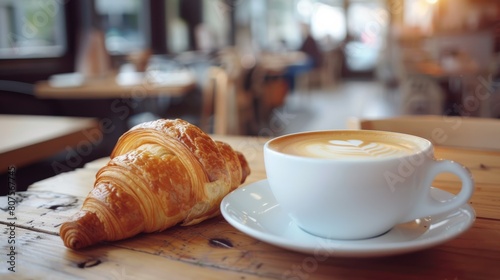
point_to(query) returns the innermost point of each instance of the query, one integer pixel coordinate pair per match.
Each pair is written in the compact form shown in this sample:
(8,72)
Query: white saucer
(253,210)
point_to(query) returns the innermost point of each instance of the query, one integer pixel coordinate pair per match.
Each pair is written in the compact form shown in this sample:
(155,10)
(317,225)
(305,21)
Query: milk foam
(346,146)
(353,148)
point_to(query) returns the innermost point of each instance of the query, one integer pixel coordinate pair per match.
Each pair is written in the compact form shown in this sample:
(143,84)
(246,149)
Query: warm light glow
(432,1)
(419,14)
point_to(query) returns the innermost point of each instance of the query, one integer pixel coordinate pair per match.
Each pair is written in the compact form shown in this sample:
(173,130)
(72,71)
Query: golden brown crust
(192,137)
(161,173)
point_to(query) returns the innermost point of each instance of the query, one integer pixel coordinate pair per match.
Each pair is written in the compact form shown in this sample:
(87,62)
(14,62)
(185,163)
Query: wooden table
(438,71)
(108,87)
(26,139)
(461,84)
(216,250)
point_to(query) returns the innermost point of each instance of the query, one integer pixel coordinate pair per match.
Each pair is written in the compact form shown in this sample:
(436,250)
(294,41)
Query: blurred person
(313,60)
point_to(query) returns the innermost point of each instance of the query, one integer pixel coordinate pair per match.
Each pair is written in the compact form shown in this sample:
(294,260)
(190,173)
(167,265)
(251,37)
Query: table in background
(26,139)
(462,82)
(108,87)
(128,94)
(215,250)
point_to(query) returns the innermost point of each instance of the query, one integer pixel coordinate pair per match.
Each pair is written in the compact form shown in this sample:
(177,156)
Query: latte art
(353,148)
(346,145)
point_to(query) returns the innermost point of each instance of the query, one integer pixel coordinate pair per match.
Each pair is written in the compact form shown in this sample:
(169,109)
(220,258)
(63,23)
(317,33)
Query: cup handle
(426,205)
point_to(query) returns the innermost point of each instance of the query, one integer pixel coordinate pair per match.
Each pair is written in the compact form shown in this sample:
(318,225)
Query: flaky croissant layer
(161,174)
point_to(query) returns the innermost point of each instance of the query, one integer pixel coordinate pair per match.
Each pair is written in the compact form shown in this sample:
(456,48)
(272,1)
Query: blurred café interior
(241,67)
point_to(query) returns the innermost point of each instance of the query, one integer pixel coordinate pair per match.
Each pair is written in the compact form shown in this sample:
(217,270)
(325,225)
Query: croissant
(161,173)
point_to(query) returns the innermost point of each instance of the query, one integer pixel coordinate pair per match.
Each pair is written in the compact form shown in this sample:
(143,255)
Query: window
(216,20)
(32,29)
(328,21)
(125,24)
(419,14)
(367,27)
(276,23)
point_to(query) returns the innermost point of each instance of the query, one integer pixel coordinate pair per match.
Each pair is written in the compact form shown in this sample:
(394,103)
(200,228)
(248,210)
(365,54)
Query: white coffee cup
(356,184)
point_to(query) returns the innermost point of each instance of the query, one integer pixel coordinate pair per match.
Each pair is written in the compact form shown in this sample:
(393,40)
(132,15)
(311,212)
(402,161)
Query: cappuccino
(347,144)
(369,182)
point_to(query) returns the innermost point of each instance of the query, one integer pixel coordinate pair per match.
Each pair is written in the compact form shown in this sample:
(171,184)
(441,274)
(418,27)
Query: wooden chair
(242,102)
(215,108)
(467,132)
(226,108)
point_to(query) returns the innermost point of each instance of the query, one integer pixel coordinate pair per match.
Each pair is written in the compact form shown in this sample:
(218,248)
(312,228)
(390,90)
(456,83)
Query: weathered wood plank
(40,211)
(219,251)
(484,165)
(43,256)
(485,200)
